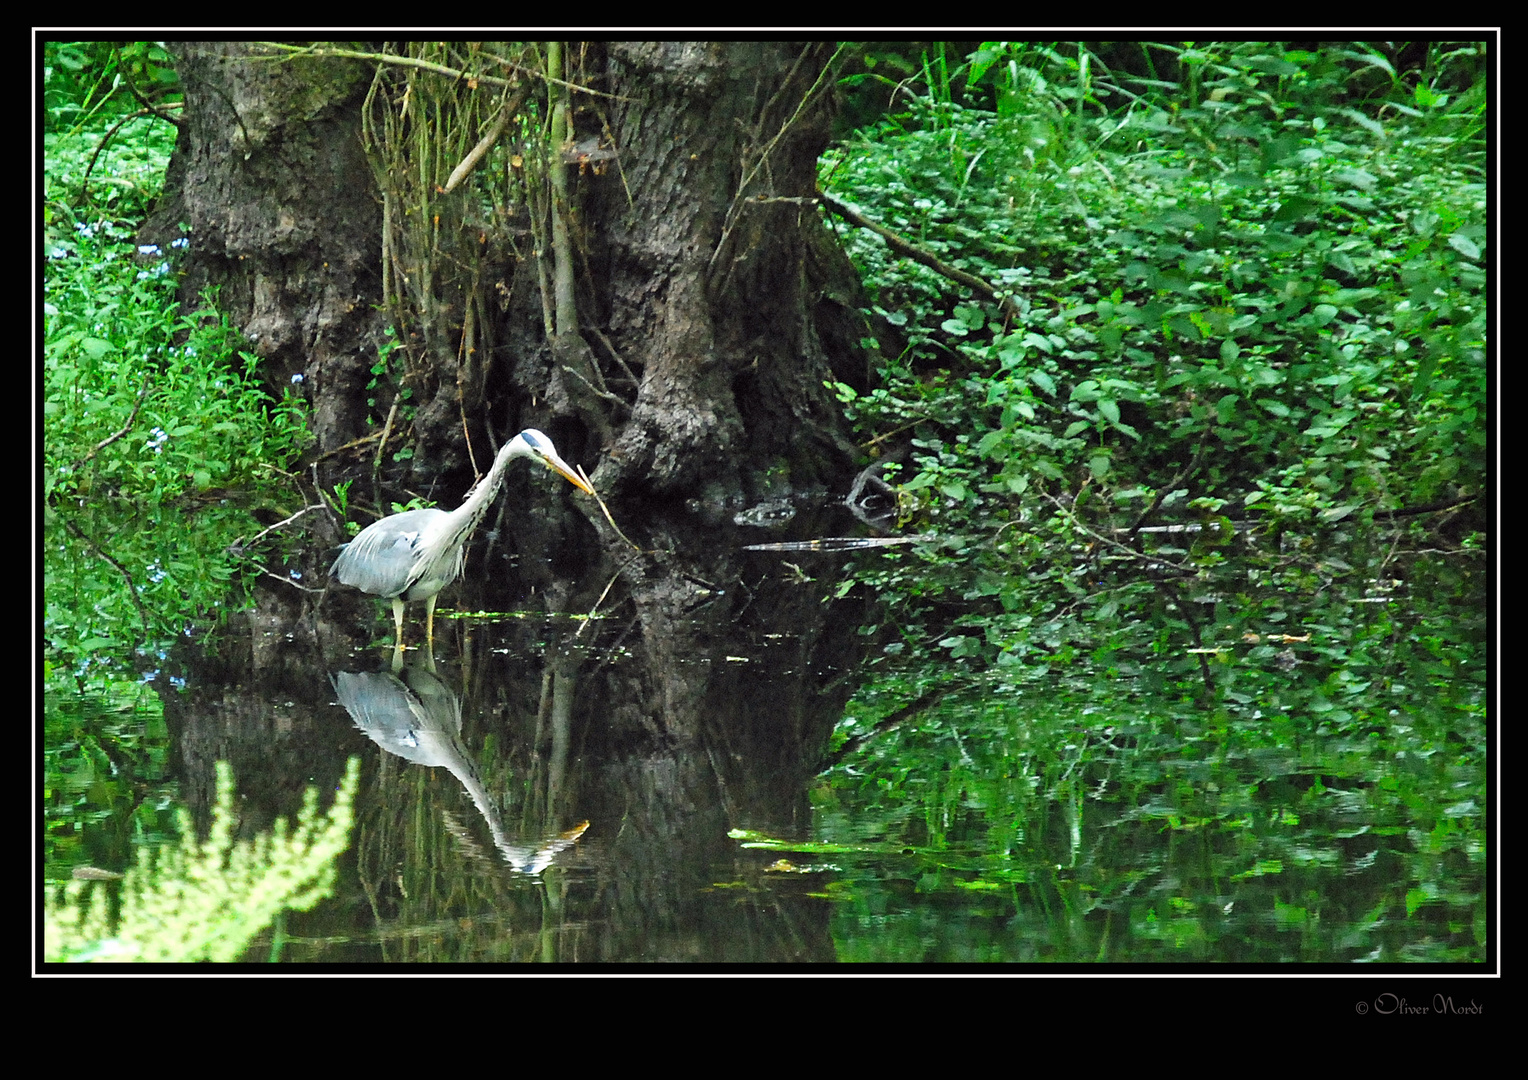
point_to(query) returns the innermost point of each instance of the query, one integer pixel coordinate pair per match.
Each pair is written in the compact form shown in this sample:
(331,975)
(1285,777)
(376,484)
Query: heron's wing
(384,558)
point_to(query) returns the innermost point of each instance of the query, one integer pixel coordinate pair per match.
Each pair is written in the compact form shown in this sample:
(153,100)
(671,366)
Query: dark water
(558,777)
(622,756)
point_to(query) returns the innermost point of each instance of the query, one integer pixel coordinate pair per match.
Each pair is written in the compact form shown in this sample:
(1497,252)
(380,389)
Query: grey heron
(415,554)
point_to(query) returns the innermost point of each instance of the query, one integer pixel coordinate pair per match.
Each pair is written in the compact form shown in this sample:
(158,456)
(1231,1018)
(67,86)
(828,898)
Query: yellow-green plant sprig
(206,900)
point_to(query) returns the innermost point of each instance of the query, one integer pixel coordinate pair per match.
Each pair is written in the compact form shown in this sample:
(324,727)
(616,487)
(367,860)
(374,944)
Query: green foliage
(87,80)
(147,414)
(204,900)
(1133,827)
(105,155)
(1280,317)
(390,370)
(188,396)
(1214,439)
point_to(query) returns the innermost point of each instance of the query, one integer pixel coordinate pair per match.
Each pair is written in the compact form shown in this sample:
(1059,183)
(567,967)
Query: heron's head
(533,444)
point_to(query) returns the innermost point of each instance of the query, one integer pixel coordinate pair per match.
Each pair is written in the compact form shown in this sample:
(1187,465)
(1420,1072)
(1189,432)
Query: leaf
(94,347)
(1295,208)
(990,441)
(1357,177)
(1340,260)
(971,317)
(1365,122)
(968,646)
(982,59)
(1422,380)
(1464,245)
(1373,60)
(1273,65)
(1010,352)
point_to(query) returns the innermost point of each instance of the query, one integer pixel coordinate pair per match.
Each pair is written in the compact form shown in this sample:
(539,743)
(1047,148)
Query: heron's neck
(484,490)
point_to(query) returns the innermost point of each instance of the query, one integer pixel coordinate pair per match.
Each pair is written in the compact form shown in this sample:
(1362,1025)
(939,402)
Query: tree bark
(708,282)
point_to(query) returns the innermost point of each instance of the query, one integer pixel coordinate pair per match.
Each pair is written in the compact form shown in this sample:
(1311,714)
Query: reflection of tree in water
(738,671)
(697,701)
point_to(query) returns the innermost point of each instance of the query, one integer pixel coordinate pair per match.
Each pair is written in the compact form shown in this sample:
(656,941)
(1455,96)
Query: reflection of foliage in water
(1158,835)
(205,900)
(107,776)
(1248,307)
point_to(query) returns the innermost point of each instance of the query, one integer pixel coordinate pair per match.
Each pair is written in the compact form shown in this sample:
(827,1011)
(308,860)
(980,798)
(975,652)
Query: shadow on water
(559,779)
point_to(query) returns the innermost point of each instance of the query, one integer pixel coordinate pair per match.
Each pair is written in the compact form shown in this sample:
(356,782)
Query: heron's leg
(429,621)
(397,622)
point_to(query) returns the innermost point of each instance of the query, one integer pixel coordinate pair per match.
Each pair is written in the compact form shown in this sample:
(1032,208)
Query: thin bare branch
(240,545)
(114,436)
(910,250)
(606,509)
(438,69)
(485,144)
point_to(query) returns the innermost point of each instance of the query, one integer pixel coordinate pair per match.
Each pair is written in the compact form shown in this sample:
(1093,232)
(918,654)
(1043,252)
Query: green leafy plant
(204,900)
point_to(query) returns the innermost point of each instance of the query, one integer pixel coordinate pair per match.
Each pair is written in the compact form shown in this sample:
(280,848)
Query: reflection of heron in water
(415,554)
(419,718)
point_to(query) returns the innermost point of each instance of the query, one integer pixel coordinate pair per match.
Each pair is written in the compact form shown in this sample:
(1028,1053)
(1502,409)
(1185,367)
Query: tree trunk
(704,270)
(707,281)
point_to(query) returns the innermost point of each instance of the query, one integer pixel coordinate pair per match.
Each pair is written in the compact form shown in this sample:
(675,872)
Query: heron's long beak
(557,465)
